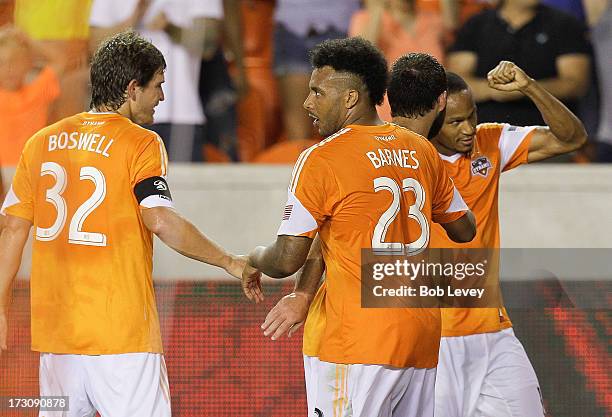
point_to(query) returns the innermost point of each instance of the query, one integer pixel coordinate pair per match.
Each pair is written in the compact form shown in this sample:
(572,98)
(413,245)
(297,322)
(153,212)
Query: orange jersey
(497,148)
(369,187)
(91,285)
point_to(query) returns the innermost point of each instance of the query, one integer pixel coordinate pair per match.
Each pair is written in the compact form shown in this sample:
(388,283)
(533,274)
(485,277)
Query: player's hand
(288,315)
(251,283)
(3,331)
(508,77)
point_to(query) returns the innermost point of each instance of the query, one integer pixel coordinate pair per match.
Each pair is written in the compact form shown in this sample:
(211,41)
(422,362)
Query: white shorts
(125,385)
(486,375)
(336,390)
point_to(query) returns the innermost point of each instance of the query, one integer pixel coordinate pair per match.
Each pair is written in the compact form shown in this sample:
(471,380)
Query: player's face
(325,101)
(459,129)
(147,98)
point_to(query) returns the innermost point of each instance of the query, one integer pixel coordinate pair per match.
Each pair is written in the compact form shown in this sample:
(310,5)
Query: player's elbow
(284,268)
(158,220)
(580,138)
(462,230)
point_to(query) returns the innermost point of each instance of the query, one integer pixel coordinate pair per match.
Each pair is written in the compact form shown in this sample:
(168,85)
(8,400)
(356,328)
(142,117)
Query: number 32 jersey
(368,187)
(91,284)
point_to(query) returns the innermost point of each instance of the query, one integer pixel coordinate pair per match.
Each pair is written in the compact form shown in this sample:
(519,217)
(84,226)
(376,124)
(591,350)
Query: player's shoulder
(416,141)
(136,131)
(490,133)
(331,146)
(490,128)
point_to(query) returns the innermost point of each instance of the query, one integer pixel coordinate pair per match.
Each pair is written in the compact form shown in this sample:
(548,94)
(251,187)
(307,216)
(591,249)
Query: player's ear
(442,100)
(131,89)
(352,97)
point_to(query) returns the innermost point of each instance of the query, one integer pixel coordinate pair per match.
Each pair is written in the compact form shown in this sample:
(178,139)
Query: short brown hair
(118,60)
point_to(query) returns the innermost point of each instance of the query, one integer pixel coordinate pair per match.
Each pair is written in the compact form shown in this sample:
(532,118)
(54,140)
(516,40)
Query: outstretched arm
(12,240)
(289,314)
(283,258)
(182,236)
(564,131)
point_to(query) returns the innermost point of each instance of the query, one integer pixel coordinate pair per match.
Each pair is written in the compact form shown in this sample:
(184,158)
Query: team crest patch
(481,166)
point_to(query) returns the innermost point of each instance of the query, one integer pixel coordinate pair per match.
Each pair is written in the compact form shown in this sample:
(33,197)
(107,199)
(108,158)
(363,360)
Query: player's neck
(420,125)
(366,118)
(443,150)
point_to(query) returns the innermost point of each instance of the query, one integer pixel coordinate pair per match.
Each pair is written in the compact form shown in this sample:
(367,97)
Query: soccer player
(93,186)
(483,369)
(371,362)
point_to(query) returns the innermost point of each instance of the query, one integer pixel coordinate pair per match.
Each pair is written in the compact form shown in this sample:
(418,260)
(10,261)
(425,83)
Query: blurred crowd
(238,70)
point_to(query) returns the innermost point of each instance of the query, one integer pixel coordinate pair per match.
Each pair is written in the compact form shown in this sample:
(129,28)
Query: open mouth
(315,122)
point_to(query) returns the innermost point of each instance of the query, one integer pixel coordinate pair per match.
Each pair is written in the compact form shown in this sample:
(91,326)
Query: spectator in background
(181,30)
(599,16)
(219,91)
(549,45)
(26,91)
(300,25)
(397,28)
(454,12)
(60,28)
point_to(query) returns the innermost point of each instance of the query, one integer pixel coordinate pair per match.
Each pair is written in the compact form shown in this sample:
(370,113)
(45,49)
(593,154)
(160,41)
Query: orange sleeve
(513,145)
(447,203)
(19,200)
(150,160)
(312,194)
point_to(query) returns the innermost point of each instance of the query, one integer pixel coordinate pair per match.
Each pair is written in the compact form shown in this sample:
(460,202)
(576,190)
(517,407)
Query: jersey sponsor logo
(160,185)
(318,413)
(385,138)
(481,166)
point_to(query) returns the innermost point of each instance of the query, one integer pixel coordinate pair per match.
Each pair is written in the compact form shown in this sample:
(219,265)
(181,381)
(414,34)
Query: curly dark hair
(118,60)
(356,56)
(416,82)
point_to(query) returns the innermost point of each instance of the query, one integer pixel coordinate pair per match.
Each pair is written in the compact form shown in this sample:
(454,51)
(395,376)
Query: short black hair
(356,56)
(455,83)
(416,82)
(118,60)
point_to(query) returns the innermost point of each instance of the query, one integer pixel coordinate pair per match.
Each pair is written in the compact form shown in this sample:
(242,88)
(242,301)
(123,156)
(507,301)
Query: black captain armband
(153,192)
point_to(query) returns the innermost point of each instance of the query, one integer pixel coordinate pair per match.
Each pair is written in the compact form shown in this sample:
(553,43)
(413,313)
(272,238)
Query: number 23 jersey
(364,187)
